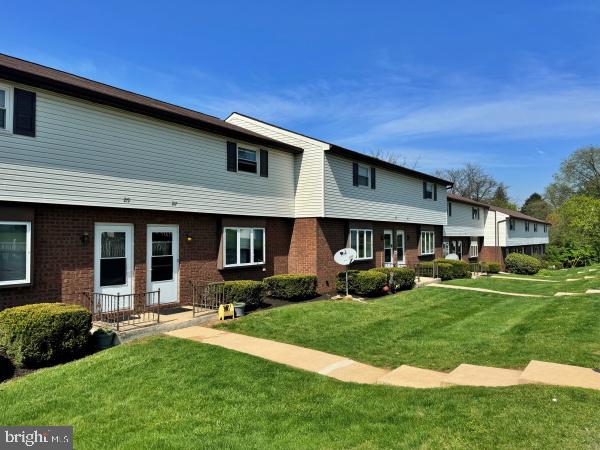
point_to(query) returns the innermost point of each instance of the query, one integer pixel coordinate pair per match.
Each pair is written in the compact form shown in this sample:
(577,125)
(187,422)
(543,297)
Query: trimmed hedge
(244,291)
(399,278)
(445,271)
(367,283)
(291,287)
(492,267)
(45,333)
(460,269)
(522,264)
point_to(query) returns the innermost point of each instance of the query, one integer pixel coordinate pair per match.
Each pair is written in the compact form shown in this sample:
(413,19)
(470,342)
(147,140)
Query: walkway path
(507,277)
(346,369)
(489,291)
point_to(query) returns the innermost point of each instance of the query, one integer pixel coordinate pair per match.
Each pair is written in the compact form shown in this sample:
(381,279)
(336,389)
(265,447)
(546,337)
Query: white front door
(400,261)
(388,249)
(113,264)
(163,262)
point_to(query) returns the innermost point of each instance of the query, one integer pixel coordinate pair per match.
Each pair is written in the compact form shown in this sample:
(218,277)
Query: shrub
(445,270)
(369,283)
(44,333)
(522,264)
(493,267)
(399,278)
(293,287)
(244,291)
(460,269)
(340,282)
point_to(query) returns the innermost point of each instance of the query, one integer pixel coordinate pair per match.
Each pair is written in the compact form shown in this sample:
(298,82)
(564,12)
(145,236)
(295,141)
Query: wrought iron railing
(120,311)
(476,267)
(207,295)
(426,270)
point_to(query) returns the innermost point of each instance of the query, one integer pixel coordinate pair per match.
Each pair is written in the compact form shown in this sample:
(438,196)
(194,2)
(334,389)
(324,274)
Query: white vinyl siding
(398,197)
(461,222)
(87,154)
(308,166)
(509,238)
(524,234)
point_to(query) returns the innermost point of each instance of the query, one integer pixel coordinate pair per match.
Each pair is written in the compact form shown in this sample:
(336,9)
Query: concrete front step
(540,372)
(415,377)
(471,375)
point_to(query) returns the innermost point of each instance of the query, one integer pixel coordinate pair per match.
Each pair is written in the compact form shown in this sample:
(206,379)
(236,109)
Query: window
(113,258)
(526,226)
(535,227)
(244,246)
(362,242)
(449,209)
(246,160)
(5,108)
(475,213)
(15,253)
(427,243)
(428,190)
(545,228)
(511,224)
(162,256)
(363,175)
(473,250)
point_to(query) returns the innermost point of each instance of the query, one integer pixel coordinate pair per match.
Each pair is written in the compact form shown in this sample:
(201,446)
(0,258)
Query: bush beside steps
(522,264)
(371,283)
(44,334)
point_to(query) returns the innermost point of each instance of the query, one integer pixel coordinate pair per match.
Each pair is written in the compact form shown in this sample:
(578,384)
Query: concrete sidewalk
(487,291)
(345,369)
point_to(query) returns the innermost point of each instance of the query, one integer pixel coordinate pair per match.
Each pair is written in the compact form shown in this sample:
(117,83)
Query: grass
(170,393)
(442,328)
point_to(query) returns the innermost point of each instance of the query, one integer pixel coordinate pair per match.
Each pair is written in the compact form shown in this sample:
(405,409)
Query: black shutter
(355,174)
(231,156)
(372,177)
(264,163)
(424,189)
(435,192)
(24,113)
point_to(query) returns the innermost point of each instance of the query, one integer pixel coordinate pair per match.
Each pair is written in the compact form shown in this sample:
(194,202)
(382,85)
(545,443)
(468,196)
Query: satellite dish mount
(345,257)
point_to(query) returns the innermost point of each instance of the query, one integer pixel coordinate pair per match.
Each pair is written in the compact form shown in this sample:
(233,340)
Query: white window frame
(358,232)
(252,263)
(429,242)
(449,209)
(474,250)
(248,149)
(511,224)
(545,228)
(527,225)
(445,248)
(535,227)
(27,279)
(368,168)
(9,108)
(427,191)
(475,213)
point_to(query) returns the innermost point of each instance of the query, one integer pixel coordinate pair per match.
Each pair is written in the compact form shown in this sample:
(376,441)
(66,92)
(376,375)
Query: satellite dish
(345,256)
(452,256)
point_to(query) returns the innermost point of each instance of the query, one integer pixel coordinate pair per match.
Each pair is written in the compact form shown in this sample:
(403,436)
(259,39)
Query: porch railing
(429,270)
(207,295)
(119,311)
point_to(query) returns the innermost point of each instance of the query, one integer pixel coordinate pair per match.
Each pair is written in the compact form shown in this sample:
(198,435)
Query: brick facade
(63,265)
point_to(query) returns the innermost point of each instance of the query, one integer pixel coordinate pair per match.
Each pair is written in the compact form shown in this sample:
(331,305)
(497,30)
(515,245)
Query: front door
(388,250)
(163,262)
(113,265)
(400,261)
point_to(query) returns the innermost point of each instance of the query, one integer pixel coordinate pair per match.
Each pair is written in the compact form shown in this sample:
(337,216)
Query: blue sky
(512,85)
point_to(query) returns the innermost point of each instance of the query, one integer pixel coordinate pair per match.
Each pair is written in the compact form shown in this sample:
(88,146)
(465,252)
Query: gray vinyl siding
(519,236)
(461,222)
(397,197)
(88,154)
(308,166)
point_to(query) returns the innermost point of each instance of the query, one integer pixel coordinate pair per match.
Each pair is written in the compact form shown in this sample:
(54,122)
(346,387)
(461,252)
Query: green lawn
(441,328)
(539,287)
(170,393)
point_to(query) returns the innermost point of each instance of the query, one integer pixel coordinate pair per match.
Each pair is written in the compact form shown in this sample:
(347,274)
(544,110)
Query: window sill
(242,266)
(363,259)
(426,254)
(12,284)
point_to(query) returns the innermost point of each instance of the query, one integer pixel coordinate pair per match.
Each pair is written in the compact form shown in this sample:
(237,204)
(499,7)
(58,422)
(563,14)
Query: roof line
(339,150)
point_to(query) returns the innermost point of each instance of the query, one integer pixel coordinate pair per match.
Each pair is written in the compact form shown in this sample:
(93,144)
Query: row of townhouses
(103,190)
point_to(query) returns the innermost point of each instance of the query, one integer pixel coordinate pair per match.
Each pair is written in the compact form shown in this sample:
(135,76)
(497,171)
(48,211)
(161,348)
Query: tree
(470,181)
(393,158)
(579,174)
(577,224)
(536,206)
(500,198)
